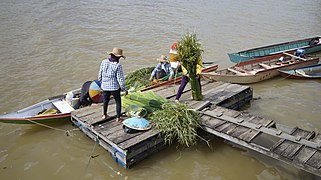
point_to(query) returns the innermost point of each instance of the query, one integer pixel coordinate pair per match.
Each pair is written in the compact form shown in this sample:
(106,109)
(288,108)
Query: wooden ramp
(128,149)
(293,146)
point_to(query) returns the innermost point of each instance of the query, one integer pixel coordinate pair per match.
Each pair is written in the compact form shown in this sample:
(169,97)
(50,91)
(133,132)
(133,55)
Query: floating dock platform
(294,146)
(128,149)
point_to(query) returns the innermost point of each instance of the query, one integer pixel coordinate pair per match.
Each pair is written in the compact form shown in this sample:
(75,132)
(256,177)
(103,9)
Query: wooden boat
(308,72)
(52,109)
(258,69)
(179,79)
(310,45)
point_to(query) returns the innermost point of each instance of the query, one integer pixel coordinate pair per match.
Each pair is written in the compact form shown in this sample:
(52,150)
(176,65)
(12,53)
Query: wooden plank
(118,135)
(227,112)
(238,131)
(200,105)
(135,140)
(249,135)
(300,133)
(223,126)
(211,122)
(145,146)
(304,155)
(317,139)
(215,87)
(83,111)
(291,150)
(271,131)
(153,149)
(315,160)
(232,127)
(105,126)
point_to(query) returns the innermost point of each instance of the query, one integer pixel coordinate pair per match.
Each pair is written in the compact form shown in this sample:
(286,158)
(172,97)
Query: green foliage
(147,99)
(189,52)
(190,55)
(139,78)
(177,122)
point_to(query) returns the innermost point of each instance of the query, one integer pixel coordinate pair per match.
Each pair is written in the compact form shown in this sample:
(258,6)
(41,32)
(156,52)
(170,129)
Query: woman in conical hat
(112,80)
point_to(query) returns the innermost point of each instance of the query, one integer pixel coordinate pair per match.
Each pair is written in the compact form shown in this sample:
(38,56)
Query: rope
(67,132)
(92,152)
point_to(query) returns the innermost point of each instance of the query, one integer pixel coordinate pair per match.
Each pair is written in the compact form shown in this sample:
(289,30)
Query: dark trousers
(117,98)
(184,82)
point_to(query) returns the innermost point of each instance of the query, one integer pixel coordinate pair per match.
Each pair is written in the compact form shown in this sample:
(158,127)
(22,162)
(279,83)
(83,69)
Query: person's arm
(120,78)
(171,72)
(153,73)
(100,71)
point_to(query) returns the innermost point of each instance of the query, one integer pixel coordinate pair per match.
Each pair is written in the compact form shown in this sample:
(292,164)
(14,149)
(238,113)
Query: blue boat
(310,45)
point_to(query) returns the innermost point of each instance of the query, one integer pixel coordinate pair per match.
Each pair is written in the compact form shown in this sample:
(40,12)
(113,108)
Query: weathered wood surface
(128,149)
(294,146)
(297,147)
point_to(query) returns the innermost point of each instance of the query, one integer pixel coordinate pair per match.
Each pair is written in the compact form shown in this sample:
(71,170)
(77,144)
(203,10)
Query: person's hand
(170,78)
(126,92)
(151,79)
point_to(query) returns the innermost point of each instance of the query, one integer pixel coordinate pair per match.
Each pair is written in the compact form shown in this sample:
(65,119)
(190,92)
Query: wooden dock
(295,146)
(128,149)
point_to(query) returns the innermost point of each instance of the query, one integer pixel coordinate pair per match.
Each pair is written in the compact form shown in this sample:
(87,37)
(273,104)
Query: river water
(49,47)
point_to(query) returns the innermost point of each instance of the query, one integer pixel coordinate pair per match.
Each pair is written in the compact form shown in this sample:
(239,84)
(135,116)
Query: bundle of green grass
(175,120)
(139,78)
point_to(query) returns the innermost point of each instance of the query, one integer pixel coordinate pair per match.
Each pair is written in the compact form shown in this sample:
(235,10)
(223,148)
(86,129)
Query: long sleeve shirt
(166,66)
(111,76)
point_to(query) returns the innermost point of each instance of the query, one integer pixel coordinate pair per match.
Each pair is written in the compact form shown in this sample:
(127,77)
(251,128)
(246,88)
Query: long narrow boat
(310,45)
(52,109)
(56,108)
(258,69)
(308,72)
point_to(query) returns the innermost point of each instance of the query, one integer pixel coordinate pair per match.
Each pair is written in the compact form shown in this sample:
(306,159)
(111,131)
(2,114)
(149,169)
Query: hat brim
(117,55)
(161,60)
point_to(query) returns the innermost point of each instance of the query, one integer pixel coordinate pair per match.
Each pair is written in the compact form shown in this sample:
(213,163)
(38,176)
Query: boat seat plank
(265,66)
(297,57)
(236,72)
(63,106)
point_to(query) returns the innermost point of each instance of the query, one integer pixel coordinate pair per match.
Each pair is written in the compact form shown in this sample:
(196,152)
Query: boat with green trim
(310,45)
(308,72)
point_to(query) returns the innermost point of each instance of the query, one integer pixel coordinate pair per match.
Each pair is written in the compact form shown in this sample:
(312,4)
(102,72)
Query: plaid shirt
(111,76)
(166,66)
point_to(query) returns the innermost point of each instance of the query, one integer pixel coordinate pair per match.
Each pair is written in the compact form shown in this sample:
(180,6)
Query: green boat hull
(288,47)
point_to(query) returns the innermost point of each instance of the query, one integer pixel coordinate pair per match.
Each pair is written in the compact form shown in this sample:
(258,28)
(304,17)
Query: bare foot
(105,117)
(120,119)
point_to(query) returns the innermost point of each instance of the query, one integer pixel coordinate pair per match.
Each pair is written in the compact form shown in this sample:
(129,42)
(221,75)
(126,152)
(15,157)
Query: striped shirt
(111,76)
